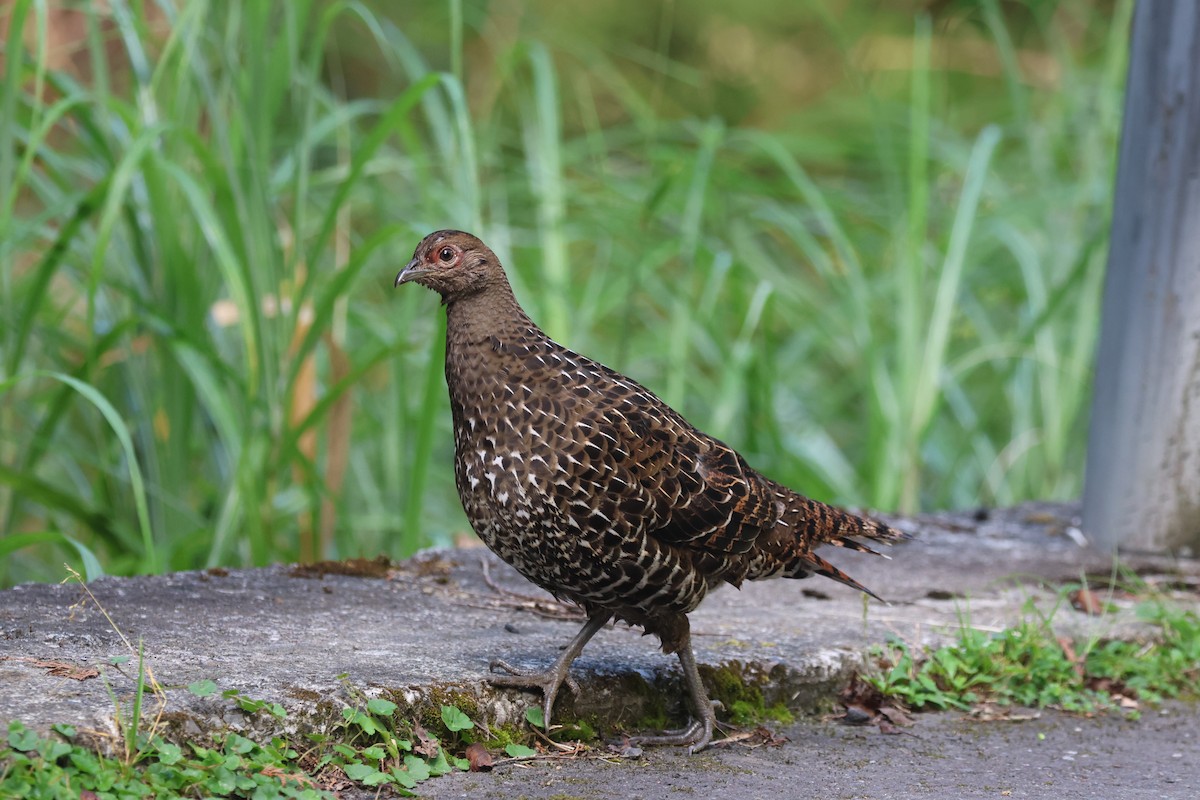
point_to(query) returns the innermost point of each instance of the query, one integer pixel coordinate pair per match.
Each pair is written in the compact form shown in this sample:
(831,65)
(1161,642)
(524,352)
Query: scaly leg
(551,679)
(700,732)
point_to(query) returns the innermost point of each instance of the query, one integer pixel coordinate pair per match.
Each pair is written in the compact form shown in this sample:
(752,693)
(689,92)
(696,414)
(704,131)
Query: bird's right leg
(551,679)
(699,732)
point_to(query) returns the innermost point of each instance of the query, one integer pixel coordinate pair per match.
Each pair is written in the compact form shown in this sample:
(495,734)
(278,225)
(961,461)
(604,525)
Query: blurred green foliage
(862,242)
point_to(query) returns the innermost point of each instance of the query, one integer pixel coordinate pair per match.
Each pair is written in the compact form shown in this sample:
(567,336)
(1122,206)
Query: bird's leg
(551,679)
(699,733)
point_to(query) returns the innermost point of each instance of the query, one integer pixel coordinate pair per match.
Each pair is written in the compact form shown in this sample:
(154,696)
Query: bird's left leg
(700,732)
(551,679)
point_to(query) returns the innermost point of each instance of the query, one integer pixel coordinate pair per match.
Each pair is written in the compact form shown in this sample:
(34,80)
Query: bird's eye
(446,254)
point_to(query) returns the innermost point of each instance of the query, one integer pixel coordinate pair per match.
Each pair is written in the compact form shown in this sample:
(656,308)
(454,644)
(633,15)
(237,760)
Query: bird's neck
(488,337)
(487,317)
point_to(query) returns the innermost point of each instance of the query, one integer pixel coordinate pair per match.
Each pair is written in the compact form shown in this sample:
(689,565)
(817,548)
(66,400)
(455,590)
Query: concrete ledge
(423,631)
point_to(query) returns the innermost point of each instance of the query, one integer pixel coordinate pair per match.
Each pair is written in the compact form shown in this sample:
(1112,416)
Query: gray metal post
(1142,489)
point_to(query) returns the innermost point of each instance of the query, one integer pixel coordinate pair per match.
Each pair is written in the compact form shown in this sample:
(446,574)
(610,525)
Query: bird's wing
(674,482)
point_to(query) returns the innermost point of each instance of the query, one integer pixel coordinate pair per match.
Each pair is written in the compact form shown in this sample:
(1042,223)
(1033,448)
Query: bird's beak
(411,271)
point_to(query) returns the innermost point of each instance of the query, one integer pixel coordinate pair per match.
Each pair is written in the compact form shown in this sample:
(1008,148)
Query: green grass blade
(926,386)
(137,486)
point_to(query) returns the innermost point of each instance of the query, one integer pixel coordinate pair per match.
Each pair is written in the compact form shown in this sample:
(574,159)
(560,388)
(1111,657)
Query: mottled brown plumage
(595,489)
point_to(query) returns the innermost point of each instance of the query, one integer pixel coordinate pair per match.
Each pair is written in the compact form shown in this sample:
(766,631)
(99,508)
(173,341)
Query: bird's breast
(506,460)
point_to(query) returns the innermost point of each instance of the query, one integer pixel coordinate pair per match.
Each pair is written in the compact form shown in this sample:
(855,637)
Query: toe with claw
(549,680)
(697,735)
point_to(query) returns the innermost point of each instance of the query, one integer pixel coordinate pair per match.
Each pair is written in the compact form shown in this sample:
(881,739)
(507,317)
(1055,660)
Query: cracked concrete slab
(425,629)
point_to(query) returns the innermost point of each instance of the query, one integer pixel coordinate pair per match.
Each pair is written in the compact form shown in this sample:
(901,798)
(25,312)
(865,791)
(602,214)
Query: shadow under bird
(598,491)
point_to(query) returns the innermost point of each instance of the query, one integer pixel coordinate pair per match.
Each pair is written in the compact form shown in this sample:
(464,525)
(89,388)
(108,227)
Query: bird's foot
(549,681)
(698,734)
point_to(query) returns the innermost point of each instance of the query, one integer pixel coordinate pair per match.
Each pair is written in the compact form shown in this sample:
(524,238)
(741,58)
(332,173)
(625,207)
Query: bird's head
(453,264)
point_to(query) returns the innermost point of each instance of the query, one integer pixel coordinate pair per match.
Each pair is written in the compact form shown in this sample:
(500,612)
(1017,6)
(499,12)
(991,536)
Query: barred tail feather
(812,524)
(816,522)
(813,564)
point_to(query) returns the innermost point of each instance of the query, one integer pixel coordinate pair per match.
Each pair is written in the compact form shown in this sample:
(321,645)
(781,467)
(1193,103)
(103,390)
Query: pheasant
(596,490)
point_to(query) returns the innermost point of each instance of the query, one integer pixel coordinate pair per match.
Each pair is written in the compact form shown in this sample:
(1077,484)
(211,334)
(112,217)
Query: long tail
(810,524)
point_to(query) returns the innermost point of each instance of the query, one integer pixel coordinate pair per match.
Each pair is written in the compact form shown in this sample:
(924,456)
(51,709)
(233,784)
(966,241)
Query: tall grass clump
(889,299)
(178,247)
